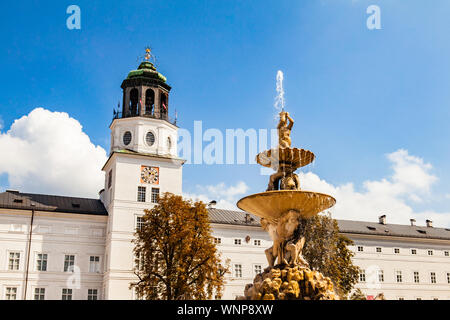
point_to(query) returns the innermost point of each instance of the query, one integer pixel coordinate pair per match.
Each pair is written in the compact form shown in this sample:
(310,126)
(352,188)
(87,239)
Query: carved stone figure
(284,179)
(287,243)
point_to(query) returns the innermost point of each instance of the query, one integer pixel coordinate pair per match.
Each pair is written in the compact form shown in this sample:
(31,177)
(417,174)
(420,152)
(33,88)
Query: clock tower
(142,164)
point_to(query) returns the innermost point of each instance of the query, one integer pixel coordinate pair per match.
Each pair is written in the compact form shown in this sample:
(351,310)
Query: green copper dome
(146,70)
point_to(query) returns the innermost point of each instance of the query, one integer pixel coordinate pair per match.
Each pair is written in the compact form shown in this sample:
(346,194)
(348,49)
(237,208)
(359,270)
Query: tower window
(141,194)
(109,178)
(155,195)
(127,138)
(150,138)
(169,143)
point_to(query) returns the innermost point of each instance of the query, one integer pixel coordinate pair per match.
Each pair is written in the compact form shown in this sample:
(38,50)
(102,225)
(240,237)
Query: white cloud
(1,123)
(411,181)
(48,152)
(226,196)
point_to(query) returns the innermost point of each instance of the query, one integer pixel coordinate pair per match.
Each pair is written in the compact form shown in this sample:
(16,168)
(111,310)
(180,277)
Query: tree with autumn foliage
(326,250)
(176,257)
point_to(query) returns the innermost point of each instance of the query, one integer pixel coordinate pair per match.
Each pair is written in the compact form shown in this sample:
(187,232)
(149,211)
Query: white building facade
(54,247)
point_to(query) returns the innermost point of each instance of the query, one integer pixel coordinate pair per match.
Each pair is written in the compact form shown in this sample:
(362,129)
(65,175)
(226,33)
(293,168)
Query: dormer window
(75,205)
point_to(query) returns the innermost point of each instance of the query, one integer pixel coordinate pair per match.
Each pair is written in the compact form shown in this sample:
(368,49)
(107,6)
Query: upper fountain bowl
(292,157)
(273,204)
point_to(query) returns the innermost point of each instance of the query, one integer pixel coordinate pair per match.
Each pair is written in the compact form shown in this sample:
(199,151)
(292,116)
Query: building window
(416,277)
(14,261)
(448,277)
(433,277)
(378,249)
(39,293)
(446,253)
(362,276)
(11,293)
(141,194)
(257,242)
(401,298)
(413,251)
(41,262)
(398,276)
(139,262)
(418,298)
(217,240)
(237,242)
(258,269)
(155,195)
(238,270)
(139,223)
(92,294)
(69,262)
(360,248)
(380,276)
(396,250)
(66,294)
(94,264)
(430,252)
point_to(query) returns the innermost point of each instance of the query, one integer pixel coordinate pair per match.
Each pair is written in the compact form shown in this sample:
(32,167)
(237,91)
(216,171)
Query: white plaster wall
(407,263)
(55,243)
(139,127)
(246,254)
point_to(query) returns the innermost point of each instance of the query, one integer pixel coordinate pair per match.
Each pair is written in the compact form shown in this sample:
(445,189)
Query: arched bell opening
(149,102)
(164,108)
(134,99)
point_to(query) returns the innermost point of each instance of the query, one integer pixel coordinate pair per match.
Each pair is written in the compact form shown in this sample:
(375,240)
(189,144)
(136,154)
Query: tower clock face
(149,175)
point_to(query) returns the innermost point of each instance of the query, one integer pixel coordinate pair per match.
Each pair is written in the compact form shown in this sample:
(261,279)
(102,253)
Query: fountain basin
(272,205)
(292,157)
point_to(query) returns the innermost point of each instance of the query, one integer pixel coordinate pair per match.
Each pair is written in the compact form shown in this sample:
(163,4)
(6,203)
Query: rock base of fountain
(284,282)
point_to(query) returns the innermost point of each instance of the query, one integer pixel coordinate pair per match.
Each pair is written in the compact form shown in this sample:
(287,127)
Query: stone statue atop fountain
(284,130)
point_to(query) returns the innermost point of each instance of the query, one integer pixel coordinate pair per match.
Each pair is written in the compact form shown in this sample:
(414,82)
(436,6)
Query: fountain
(284,209)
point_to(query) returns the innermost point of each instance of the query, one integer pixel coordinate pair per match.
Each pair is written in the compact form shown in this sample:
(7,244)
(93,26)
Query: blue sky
(356,94)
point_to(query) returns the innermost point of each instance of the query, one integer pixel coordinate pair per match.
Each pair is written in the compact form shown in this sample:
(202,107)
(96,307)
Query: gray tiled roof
(399,230)
(222,216)
(345,226)
(44,202)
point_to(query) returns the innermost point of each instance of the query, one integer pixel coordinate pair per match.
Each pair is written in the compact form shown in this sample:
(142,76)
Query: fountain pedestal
(284,209)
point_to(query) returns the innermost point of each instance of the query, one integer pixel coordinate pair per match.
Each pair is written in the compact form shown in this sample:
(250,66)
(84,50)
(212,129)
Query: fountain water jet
(284,209)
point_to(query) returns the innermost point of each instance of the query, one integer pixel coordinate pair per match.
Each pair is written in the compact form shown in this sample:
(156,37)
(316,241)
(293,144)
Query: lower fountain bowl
(273,204)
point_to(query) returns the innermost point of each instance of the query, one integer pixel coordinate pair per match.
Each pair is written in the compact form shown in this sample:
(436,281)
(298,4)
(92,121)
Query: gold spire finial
(148,54)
